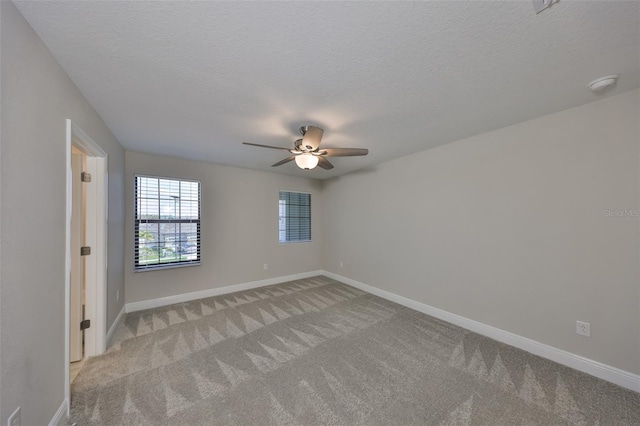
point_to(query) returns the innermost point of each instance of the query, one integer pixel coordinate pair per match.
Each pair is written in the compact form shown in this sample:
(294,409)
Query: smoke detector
(602,83)
(540,5)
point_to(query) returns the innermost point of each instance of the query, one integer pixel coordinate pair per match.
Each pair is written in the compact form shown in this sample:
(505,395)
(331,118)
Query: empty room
(314,213)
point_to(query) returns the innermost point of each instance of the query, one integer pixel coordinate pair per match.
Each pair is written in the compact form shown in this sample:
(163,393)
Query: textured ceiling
(196,79)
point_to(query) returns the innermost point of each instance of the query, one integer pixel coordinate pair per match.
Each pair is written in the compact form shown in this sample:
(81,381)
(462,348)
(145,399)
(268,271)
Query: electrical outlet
(117,294)
(14,419)
(583,328)
(265,266)
(341,264)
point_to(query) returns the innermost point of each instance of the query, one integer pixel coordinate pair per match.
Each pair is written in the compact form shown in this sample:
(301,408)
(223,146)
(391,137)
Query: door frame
(96,237)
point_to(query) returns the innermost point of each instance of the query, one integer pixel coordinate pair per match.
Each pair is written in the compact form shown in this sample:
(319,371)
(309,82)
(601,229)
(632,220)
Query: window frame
(136,226)
(310,240)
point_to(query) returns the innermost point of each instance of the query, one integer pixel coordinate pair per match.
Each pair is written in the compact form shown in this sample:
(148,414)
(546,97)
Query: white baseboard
(61,415)
(115,324)
(187,297)
(603,371)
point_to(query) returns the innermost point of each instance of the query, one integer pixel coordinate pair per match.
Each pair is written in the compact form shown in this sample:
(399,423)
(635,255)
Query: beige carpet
(316,351)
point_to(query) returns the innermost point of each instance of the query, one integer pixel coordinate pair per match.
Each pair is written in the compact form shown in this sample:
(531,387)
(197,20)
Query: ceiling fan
(307,153)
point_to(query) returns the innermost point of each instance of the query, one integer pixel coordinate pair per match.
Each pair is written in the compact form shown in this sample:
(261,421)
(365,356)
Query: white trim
(606,372)
(84,142)
(187,297)
(67,269)
(115,324)
(61,415)
(163,266)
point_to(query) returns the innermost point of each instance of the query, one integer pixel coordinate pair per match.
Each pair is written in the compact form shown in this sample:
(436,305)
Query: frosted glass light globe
(307,161)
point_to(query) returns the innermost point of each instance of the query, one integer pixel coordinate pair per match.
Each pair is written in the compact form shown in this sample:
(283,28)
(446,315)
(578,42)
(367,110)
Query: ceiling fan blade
(286,160)
(324,163)
(312,137)
(266,146)
(344,152)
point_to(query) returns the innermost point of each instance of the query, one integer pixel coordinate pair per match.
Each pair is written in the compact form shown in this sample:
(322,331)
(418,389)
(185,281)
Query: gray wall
(239,228)
(37,98)
(508,228)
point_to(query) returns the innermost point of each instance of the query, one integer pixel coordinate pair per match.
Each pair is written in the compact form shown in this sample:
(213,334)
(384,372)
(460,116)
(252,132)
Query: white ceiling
(196,79)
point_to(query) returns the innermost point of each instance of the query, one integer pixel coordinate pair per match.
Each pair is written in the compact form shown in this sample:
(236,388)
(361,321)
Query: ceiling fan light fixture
(307,161)
(306,150)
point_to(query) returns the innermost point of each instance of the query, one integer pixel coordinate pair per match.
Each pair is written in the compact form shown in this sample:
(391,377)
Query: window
(294,217)
(167,222)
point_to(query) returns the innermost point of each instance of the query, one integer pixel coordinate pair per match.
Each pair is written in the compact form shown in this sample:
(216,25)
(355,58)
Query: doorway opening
(86,252)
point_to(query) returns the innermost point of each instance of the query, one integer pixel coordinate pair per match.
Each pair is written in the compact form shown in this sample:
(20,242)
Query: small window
(167,222)
(294,217)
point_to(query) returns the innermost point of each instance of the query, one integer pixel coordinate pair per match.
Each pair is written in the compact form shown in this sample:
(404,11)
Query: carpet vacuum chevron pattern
(318,352)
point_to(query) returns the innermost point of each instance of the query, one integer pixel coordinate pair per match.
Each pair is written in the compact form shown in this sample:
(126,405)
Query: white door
(77,261)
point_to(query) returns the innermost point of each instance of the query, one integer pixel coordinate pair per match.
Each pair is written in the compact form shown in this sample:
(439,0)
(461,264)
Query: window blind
(167,222)
(294,217)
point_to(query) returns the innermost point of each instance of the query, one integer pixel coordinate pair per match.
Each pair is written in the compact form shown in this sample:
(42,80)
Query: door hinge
(85,251)
(85,324)
(85,177)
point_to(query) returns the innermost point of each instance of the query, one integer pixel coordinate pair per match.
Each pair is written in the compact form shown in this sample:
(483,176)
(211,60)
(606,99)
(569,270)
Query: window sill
(294,242)
(170,266)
